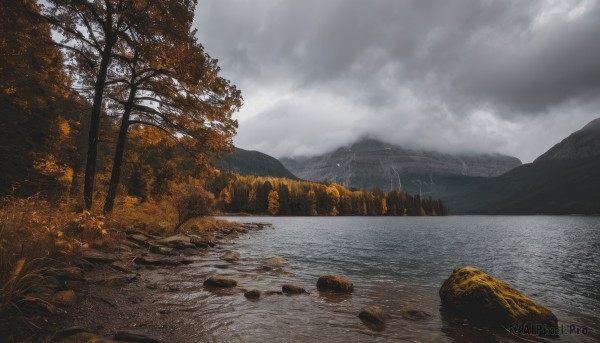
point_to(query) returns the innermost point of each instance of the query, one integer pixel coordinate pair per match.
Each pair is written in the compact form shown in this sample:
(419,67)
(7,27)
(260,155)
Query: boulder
(374,314)
(220,281)
(64,298)
(292,289)
(335,283)
(252,294)
(231,256)
(161,250)
(483,298)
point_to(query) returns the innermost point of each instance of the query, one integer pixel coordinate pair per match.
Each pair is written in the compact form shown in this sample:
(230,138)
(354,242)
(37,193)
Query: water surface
(398,263)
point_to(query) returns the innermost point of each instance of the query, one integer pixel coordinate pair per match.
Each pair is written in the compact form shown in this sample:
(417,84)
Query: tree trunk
(115,175)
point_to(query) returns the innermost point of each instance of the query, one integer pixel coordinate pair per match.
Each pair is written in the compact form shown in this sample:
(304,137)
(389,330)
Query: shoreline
(103,297)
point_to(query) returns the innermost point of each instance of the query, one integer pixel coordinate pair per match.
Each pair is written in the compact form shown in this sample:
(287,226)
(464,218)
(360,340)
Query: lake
(398,263)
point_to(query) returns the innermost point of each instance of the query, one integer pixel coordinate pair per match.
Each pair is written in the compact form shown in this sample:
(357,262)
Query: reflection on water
(397,264)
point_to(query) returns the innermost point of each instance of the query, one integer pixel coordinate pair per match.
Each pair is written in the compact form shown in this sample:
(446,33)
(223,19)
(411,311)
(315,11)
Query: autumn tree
(90,30)
(273,202)
(173,86)
(39,115)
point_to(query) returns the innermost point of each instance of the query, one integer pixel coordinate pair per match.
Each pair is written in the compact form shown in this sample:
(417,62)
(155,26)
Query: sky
(475,76)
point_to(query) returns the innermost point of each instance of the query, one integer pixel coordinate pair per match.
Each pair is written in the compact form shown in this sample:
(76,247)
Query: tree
(39,115)
(90,30)
(273,202)
(173,86)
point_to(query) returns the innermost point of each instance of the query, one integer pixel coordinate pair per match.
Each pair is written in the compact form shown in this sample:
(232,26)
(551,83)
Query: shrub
(192,201)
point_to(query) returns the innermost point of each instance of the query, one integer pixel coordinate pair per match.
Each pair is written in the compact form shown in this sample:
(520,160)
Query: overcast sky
(512,77)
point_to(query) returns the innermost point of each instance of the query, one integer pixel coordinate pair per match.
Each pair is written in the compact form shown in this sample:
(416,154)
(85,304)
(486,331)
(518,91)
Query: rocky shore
(104,296)
(141,291)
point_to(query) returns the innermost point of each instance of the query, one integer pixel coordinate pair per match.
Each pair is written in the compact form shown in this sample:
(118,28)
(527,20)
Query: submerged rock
(335,283)
(374,314)
(292,289)
(415,315)
(275,262)
(220,281)
(481,297)
(252,294)
(231,256)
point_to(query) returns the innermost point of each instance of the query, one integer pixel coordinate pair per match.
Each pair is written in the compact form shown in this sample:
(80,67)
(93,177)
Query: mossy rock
(292,289)
(220,281)
(483,298)
(335,283)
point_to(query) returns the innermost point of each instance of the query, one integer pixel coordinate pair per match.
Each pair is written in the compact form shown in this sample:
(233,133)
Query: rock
(275,262)
(231,256)
(253,294)
(98,257)
(220,281)
(374,314)
(177,241)
(202,241)
(134,336)
(415,315)
(64,298)
(162,250)
(481,297)
(292,289)
(161,261)
(120,266)
(335,283)
(139,238)
(273,293)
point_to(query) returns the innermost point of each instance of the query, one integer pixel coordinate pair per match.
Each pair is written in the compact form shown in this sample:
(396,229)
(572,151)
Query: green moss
(335,283)
(483,297)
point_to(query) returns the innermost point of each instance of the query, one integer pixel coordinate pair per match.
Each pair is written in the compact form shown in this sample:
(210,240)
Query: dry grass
(35,238)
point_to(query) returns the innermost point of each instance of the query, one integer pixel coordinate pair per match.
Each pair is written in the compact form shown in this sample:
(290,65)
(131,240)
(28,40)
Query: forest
(280,196)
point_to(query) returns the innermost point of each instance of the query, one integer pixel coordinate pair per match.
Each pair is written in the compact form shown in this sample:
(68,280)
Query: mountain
(370,163)
(581,144)
(563,180)
(247,162)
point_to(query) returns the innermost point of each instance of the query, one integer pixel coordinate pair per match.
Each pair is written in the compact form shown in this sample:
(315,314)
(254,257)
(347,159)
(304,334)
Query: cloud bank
(512,77)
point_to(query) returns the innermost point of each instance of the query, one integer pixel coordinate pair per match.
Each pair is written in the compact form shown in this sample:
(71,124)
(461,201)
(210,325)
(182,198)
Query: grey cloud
(461,75)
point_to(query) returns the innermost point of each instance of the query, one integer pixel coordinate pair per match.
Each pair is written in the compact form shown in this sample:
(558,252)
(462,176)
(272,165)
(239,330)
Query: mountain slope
(370,163)
(563,180)
(581,144)
(247,162)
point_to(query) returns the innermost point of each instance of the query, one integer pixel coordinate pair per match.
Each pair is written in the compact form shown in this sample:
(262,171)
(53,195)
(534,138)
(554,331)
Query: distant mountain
(581,144)
(564,180)
(370,163)
(247,162)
